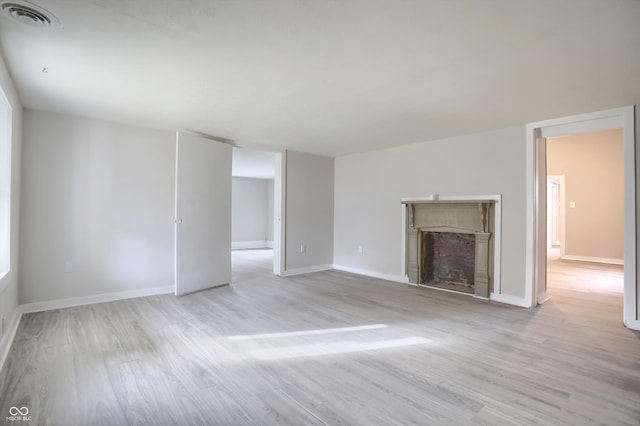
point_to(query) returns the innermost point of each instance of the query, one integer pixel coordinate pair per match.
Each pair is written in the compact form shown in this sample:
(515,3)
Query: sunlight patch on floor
(307,332)
(334,348)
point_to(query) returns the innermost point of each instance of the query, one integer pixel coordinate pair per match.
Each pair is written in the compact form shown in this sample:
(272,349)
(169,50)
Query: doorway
(536,231)
(254,236)
(585,214)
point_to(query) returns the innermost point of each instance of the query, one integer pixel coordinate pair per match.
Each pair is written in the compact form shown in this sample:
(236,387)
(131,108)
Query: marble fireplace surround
(478,215)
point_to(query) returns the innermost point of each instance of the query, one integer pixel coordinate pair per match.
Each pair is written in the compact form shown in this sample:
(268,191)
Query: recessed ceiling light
(29,14)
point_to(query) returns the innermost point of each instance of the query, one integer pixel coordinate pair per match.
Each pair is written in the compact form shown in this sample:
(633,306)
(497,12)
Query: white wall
(100,195)
(369,188)
(9,283)
(250,212)
(309,211)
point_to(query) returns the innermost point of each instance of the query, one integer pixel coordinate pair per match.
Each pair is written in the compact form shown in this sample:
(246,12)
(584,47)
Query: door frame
(279,216)
(536,134)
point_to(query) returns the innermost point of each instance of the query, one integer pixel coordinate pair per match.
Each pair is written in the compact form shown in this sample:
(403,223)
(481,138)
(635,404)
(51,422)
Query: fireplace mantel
(464,215)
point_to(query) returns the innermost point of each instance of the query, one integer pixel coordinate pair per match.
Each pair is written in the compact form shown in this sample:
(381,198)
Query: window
(5,182)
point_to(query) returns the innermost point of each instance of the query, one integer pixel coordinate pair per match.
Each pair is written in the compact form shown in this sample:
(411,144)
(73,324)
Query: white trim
(403,251)
(614,118)
(175,217)
(530,217)
(591,123)
(92,299)
(373,274)
(306,270)
(437,197)
(497,237)
(244,245)
(279,214)
(9,335)
(592,259)
(270,244)
(509,300)
(633,324)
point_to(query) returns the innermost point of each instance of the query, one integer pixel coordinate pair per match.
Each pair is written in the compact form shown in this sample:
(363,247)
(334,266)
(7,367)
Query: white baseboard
(501,298)
(96,298)
(509,300)
(270,244)
(592,259)
(306,270)
(9,335)
(374,274)
(245,245)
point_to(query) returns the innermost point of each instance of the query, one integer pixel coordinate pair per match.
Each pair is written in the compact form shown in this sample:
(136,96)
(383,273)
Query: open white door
(541,225)
(203,214)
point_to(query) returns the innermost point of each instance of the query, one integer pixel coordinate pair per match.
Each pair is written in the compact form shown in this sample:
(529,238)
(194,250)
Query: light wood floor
(326,348)
(584,277)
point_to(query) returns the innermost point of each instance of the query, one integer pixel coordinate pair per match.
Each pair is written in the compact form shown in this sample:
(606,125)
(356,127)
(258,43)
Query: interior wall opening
(253,213)
(585,215)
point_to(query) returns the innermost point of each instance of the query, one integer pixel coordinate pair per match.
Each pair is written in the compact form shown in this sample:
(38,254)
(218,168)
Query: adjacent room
(585,175)
(296,212)
(252,213)
(585,219)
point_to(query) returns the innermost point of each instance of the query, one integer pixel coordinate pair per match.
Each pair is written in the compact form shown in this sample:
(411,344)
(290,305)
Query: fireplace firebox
(448,260)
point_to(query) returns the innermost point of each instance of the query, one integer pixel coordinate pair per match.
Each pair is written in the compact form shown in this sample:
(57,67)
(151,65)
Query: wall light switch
(360,249)
(572,205)
(303,248)
(68,266)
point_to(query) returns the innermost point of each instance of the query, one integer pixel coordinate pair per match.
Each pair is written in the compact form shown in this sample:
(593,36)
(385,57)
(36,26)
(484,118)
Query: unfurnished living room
(319,212)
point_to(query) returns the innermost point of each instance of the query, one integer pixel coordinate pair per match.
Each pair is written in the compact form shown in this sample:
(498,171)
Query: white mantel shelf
(450,199)
(441,201)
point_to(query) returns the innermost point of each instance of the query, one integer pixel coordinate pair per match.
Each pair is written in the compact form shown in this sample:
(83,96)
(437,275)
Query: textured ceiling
(328,77)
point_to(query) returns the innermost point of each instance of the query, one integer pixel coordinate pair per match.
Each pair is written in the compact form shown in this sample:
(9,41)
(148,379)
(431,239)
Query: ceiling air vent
(29,14)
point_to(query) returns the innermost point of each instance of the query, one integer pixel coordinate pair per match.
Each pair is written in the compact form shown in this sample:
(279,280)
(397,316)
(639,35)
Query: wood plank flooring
(327,348)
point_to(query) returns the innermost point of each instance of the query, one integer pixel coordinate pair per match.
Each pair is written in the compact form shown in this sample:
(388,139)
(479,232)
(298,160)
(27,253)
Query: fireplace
(449,244)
